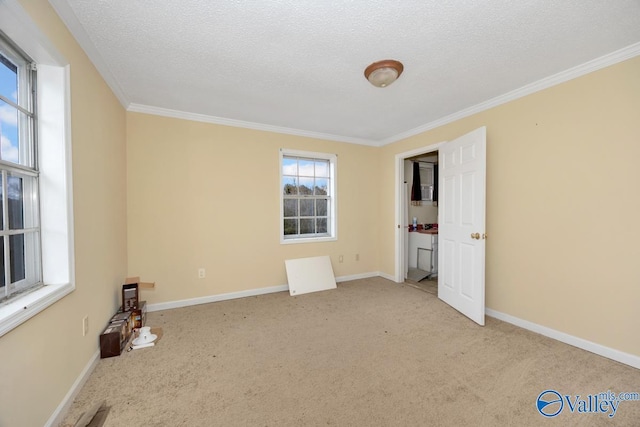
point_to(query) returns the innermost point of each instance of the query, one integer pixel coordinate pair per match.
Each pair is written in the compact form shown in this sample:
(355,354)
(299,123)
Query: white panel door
(461,222)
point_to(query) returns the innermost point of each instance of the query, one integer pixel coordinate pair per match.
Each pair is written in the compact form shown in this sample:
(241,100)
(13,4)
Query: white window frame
(332,220)
(54,161)
(27,171)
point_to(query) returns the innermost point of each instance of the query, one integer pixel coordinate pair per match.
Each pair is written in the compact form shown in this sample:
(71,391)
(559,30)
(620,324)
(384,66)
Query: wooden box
(113,339)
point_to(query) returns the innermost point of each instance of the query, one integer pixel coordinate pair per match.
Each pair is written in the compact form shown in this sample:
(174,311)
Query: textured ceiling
(296,66)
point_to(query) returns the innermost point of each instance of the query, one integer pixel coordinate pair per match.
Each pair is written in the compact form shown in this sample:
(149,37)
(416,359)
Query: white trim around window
(322,192)
(54,145)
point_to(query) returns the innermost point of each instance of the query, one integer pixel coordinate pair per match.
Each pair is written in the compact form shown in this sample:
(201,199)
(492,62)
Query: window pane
(22,199)
(16,259)
(306,207)
(305,167)
(16,244)
(322,168)
(32,271)
(306,186)
(9,150)
(321,225)
(321,207)
(1,206)
(307,226)
(321,187)
(290,226)
(2,288)
(29,200)
(289,185)
(8,79)
(289,166)
(15,200)
(290,207)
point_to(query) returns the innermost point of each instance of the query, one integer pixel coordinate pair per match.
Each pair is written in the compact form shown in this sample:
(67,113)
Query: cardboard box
(113,339)
(141,285)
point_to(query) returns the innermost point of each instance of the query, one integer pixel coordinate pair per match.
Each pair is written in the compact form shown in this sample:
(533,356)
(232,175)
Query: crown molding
(165,112)
(564,76)
(70,19)
(561,77)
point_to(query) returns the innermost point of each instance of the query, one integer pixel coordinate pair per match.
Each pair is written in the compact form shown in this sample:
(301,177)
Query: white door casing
(461,227)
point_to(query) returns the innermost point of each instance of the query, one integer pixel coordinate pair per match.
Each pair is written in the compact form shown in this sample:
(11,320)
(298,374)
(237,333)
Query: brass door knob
(475,236)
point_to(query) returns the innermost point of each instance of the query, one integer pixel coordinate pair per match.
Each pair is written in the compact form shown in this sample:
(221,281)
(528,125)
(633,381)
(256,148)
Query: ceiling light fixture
(383,73)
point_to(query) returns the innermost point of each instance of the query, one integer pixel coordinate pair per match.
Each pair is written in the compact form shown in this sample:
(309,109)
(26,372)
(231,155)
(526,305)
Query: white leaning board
(307,275)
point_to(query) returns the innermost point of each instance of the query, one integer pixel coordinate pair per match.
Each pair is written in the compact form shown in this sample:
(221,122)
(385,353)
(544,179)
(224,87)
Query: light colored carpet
(371,353)
(427,285)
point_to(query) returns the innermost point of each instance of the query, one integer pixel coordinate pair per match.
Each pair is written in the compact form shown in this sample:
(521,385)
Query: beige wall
(562,205)
(41,359)
(204,195)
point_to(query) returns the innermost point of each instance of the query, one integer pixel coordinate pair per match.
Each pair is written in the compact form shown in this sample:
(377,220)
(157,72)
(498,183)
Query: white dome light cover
(383,73)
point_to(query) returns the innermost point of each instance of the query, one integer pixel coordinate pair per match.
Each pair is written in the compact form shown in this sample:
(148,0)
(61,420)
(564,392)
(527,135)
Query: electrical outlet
(357,257)
(341,258)
(85,326)
(201,273)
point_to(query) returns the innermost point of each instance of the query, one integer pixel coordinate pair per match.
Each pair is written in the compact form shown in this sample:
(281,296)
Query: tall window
(19,217)
(308,199)
(36,200)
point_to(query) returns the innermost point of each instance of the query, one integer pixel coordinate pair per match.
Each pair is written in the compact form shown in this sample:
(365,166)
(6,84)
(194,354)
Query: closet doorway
(421,240)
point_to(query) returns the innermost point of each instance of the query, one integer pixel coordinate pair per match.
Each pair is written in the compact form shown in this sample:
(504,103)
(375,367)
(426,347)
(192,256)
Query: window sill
(308,240)
(18,311)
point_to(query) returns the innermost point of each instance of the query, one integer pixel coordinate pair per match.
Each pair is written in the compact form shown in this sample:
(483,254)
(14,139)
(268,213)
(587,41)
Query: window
(19,217)
(307,196)
(37,252)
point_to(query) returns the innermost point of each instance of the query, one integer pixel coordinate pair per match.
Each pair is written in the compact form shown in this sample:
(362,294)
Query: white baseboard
(61,411)
(609,353)
(215,298)
(242,294)
(357,276)
(387,276)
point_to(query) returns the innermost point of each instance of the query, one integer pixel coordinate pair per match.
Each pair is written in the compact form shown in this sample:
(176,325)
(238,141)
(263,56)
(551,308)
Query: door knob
(475,235)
